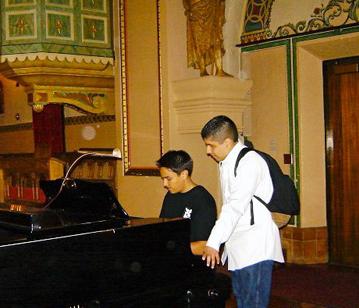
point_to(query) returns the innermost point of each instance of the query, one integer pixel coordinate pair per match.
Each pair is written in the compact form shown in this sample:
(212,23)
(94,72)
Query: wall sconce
(37,107)
(17,116)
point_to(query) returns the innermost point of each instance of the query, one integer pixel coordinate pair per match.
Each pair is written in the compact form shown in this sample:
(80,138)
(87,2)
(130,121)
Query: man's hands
(198,247)
(210,256)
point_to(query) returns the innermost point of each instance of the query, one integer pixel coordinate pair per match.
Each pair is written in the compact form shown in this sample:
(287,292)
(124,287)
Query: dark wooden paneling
(342,159)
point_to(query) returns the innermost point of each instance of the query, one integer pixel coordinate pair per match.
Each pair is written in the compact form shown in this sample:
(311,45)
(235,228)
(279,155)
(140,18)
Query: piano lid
(79,204)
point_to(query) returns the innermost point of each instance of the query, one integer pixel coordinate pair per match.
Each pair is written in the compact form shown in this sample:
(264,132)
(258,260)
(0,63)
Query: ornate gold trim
(336,14)
(15,127)
(129,169)
(89,100)
(87,119)
(82,83)
(73,59)
(78,120)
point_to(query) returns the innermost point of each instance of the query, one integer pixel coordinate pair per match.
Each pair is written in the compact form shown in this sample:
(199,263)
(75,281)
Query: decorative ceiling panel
(76,27)
(271,19)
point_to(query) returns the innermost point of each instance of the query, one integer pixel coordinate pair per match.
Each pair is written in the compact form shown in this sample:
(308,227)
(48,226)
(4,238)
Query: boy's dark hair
(177,161)
(220,128)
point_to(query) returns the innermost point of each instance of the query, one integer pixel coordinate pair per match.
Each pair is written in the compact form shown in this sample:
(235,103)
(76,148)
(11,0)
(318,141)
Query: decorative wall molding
(94,5)
(94,29)
(141,86)
(15,127)
(21,25)
(59,26)
(78,27)
(258,19)
(14,3)
(89,119)
(62,44)
(82,99)
(61,3)
(84,85)
(337,13)
(77,120)
(1,99)
(55,57)
(199,99)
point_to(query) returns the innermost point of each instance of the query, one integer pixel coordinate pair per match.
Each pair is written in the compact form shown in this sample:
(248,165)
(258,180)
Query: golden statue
(205,20)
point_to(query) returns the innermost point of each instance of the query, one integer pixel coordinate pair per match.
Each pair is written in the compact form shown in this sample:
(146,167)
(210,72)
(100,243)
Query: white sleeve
(241,190)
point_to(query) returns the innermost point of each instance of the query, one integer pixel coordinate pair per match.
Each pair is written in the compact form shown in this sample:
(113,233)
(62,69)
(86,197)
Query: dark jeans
(252,285)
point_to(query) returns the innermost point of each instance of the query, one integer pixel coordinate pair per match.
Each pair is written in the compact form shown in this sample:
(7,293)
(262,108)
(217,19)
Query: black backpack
(285,198)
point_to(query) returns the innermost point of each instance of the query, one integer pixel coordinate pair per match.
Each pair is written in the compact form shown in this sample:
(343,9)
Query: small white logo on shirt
(187,213)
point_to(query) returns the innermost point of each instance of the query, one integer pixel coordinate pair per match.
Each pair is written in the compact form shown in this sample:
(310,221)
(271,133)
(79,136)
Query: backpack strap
(252,213)
(260,200)
(243,152)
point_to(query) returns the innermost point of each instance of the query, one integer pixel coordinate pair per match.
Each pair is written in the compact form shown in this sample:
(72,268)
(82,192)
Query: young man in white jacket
(251,249)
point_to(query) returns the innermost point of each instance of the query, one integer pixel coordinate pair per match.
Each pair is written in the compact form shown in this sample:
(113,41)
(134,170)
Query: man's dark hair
(177,161)
(220,128)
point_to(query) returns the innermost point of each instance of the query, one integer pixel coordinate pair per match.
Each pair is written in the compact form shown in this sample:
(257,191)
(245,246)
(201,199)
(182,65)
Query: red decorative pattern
(30,194)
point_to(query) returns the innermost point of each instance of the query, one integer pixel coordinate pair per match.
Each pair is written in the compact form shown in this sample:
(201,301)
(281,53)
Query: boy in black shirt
(185,198)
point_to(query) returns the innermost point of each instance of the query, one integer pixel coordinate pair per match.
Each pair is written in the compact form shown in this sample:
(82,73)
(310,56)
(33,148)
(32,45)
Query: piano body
(84,250)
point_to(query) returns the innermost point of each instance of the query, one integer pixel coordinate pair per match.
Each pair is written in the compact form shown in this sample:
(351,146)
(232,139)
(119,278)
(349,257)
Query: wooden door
(342,160)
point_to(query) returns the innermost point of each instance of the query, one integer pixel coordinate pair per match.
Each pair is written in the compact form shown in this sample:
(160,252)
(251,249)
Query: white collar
(232,155)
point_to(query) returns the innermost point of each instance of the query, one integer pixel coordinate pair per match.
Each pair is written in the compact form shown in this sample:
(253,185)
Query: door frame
(326,71)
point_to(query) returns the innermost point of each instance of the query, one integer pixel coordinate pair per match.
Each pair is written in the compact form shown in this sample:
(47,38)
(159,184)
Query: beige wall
(18,141)
(96,135)
(21,140)
(140,195)
(269,126)
(270,121)
(311,140)
(15,102)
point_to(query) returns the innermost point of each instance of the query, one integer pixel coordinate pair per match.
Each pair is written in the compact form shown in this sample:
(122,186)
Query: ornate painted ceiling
(270,19)
(60,50)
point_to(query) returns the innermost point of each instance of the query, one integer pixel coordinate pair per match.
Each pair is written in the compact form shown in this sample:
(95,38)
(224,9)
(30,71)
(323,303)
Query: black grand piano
(82,249)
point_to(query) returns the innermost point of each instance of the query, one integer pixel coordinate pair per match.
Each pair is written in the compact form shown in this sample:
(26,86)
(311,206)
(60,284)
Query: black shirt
(197,205)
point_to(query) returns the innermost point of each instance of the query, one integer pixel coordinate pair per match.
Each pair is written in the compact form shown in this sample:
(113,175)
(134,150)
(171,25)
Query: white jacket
(245,244)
